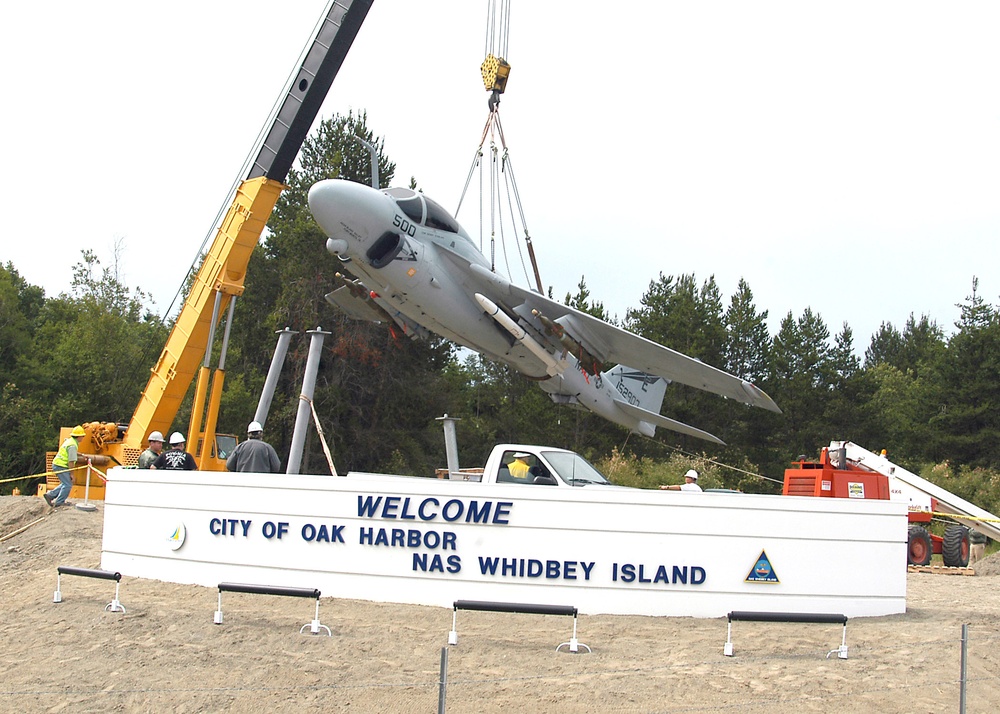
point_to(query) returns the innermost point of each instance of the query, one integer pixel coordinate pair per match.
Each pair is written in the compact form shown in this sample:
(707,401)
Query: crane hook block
(495,72)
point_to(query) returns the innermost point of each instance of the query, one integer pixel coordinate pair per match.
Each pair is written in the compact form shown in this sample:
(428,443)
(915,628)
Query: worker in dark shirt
(176,458)
(254,455)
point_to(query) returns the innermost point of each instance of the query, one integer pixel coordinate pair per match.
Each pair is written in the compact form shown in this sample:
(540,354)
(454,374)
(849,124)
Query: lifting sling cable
(495,71)
(511,184)
(493,130)
(497,36)
(476,159)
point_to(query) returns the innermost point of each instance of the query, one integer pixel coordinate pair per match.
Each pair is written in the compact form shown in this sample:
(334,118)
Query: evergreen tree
(746,429)
(748,343)
(582,302)
(966,427)
(886,346)
(801,384)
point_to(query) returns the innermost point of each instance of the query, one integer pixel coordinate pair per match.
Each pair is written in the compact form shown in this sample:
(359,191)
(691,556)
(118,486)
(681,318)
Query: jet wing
(613,344)
(355,307)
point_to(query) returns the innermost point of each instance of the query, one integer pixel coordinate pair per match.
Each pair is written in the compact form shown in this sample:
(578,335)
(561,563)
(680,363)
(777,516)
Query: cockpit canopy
(422,210)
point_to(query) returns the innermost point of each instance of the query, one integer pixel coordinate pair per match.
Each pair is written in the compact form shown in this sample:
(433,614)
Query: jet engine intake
(384,250)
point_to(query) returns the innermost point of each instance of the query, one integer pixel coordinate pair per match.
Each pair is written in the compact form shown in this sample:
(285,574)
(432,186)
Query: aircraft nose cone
(347,211)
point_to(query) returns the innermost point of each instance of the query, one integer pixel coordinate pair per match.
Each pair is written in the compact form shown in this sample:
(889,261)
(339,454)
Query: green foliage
(965,427)
(65,359)
(634,471)
(582,302)
(977,485)
(748,345)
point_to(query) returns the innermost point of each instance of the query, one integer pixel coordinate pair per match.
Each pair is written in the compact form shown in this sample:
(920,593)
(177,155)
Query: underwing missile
(552,366)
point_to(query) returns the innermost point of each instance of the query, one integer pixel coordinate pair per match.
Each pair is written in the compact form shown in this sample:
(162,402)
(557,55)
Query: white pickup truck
(533,466)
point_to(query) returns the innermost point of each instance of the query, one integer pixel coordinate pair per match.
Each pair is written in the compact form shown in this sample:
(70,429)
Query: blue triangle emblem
(762,571)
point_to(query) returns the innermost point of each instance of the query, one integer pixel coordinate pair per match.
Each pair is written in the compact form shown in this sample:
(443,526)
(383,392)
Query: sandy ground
(165,653)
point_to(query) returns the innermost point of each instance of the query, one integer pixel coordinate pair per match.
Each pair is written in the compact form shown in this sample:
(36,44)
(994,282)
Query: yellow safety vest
(63,457)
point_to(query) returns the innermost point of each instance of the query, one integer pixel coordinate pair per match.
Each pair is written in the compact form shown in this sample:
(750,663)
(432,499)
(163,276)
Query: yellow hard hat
(78,431)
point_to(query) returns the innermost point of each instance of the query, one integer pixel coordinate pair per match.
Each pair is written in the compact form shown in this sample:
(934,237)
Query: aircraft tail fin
(637,388)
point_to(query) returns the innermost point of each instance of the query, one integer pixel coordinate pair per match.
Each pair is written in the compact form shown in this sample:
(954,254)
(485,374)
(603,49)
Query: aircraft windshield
(573,468)
(439,218)
(413,204)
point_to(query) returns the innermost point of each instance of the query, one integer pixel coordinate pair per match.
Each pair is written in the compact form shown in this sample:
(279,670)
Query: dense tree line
(927,396)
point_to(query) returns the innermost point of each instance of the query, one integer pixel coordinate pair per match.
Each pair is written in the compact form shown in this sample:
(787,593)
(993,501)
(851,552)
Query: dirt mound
(990,565)
(19,511)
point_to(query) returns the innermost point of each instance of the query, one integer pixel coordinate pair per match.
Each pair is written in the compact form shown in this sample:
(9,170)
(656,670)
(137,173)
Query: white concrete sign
(431,542)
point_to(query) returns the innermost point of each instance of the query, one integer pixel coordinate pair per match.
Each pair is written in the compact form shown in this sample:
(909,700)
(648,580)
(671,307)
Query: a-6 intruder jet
(419,270)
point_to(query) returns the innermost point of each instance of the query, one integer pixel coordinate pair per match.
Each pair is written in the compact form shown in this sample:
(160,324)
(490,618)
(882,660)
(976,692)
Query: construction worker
(147,457)
(62,465)
(254,455)
(176,458)
(690,483)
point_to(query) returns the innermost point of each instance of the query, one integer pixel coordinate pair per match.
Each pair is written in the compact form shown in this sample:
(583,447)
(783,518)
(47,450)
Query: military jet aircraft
(417,269)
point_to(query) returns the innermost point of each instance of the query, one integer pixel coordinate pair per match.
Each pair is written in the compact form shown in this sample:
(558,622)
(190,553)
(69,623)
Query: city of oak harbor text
(452,511)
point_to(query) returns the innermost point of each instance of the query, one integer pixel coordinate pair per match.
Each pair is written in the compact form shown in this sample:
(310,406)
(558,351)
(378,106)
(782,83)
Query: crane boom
(224,267)
(309,88)
(220,277)
(223,270)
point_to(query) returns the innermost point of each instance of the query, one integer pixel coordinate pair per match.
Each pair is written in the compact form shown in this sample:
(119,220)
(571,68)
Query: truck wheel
(918,546)
(955,548)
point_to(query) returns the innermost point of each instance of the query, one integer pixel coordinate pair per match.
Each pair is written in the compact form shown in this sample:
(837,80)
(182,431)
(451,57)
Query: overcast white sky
(840,156)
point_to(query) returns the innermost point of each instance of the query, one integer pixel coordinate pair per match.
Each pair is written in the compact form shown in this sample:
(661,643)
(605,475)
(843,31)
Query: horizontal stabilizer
(660,420)
(355,307)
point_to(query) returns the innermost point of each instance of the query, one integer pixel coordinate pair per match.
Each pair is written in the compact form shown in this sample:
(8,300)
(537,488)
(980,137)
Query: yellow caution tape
(51,473)
(964,518)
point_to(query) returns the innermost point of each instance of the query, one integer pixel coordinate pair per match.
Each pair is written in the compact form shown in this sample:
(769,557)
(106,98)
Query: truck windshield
(573,468)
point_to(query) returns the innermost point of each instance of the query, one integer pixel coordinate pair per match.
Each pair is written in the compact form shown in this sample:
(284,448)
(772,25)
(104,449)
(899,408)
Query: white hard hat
(156,436)
(691,474)
(254,426)
(177,438)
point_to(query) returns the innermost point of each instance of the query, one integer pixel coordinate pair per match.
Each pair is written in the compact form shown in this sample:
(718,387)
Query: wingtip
(759,398)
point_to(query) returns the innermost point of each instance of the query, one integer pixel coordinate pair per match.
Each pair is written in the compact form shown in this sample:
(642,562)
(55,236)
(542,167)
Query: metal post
(87,505)
(443,689)
(271,383)
(962,680)
(305,398)
(225,334)
(450,442)
(207,361)
(201,385)
(215,397)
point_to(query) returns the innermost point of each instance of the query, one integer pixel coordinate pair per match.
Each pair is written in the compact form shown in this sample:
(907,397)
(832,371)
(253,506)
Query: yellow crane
(219,280)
